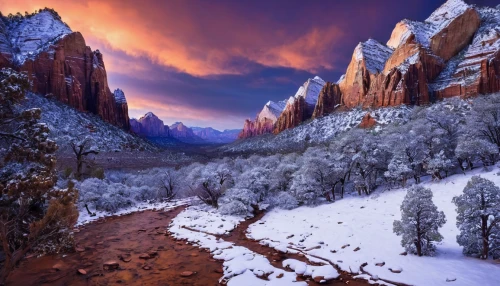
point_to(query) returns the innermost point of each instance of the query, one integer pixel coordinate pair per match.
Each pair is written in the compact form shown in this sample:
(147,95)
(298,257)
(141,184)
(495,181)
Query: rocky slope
(454,52)
(67,124)
(60,64)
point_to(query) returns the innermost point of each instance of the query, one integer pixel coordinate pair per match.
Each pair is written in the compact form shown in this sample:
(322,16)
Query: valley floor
(349,240)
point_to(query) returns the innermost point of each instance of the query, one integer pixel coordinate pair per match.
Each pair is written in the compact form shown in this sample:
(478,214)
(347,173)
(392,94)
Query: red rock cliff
(65,68)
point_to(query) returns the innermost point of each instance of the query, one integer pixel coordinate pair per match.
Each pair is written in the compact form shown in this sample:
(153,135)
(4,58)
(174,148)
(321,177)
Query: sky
(216,63)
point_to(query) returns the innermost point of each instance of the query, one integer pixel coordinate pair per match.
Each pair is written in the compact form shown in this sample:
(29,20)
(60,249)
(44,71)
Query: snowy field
(354,231)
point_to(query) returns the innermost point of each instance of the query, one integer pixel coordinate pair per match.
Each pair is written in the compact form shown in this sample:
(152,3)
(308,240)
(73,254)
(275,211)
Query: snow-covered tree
(485,119)
(312,181)
(439,163)
(283,200)
(471,149)
(478,218)
(238,201)
(420,221)
(408,153)
(399,168)
(34,215)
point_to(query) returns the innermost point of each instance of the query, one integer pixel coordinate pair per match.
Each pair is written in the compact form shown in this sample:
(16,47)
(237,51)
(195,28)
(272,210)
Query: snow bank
(85,218)
(241,266)
(354,231)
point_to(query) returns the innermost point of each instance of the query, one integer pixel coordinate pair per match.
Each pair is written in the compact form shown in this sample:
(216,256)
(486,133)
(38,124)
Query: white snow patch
(241,265)
(370,229)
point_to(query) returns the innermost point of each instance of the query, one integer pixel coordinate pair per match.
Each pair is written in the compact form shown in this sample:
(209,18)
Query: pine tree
(34,216)
(420,221)
(478,218)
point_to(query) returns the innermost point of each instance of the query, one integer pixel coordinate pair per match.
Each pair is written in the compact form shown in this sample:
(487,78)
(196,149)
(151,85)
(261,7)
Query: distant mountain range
(150,126)
(454,52)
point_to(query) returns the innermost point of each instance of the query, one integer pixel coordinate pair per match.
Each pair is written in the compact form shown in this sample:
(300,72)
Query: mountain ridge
(454,52)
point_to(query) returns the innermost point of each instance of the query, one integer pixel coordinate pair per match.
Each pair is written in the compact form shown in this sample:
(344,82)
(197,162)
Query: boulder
(368,121)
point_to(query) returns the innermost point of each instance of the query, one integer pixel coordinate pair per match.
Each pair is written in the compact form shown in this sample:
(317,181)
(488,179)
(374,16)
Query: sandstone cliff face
(475,70)
(149,125)
(300,107)
(61,65)
(296,112)
(454,52)
(264,122)
(257,127)
(329,98)
(415,55)
(123,120)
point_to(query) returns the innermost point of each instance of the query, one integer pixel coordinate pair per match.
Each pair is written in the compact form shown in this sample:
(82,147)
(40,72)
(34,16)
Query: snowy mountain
(272,112)
(60,64)
(25,37)
(454,52)
(374,54)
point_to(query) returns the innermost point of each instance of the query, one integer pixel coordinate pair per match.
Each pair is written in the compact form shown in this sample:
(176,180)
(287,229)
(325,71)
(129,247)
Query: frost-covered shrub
(238,201)
(283,200)
(471,149)
(420,221)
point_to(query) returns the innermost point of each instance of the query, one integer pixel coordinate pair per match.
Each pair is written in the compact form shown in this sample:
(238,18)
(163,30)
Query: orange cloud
(181,36)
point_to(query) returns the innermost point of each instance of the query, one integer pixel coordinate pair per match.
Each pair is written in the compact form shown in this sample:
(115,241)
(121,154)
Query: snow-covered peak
(424,31)
(341,79)
(119,96)
(30,35)
(149,115)
(447,12)
(374,54)
(310,90)
(272,110)
(178,126)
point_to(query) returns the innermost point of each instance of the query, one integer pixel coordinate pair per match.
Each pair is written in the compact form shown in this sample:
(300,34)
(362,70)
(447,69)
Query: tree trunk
(79,164)
(484,234)
(418,242)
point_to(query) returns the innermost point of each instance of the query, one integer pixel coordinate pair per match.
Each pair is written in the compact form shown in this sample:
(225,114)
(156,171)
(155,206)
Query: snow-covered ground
(354,230)
(241,266)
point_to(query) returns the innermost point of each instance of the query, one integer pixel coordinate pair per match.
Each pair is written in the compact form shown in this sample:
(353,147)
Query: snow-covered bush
(238,201)
(478,218)
(420,221)
(283,200)
(471,149)
(104,196)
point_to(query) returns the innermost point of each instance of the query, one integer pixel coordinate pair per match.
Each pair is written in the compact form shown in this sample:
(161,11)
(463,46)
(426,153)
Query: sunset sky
(215,63)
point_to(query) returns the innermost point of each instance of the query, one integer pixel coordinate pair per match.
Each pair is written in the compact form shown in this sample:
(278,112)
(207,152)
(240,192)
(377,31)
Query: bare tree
(169,185)
(212,187)
(82,148)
